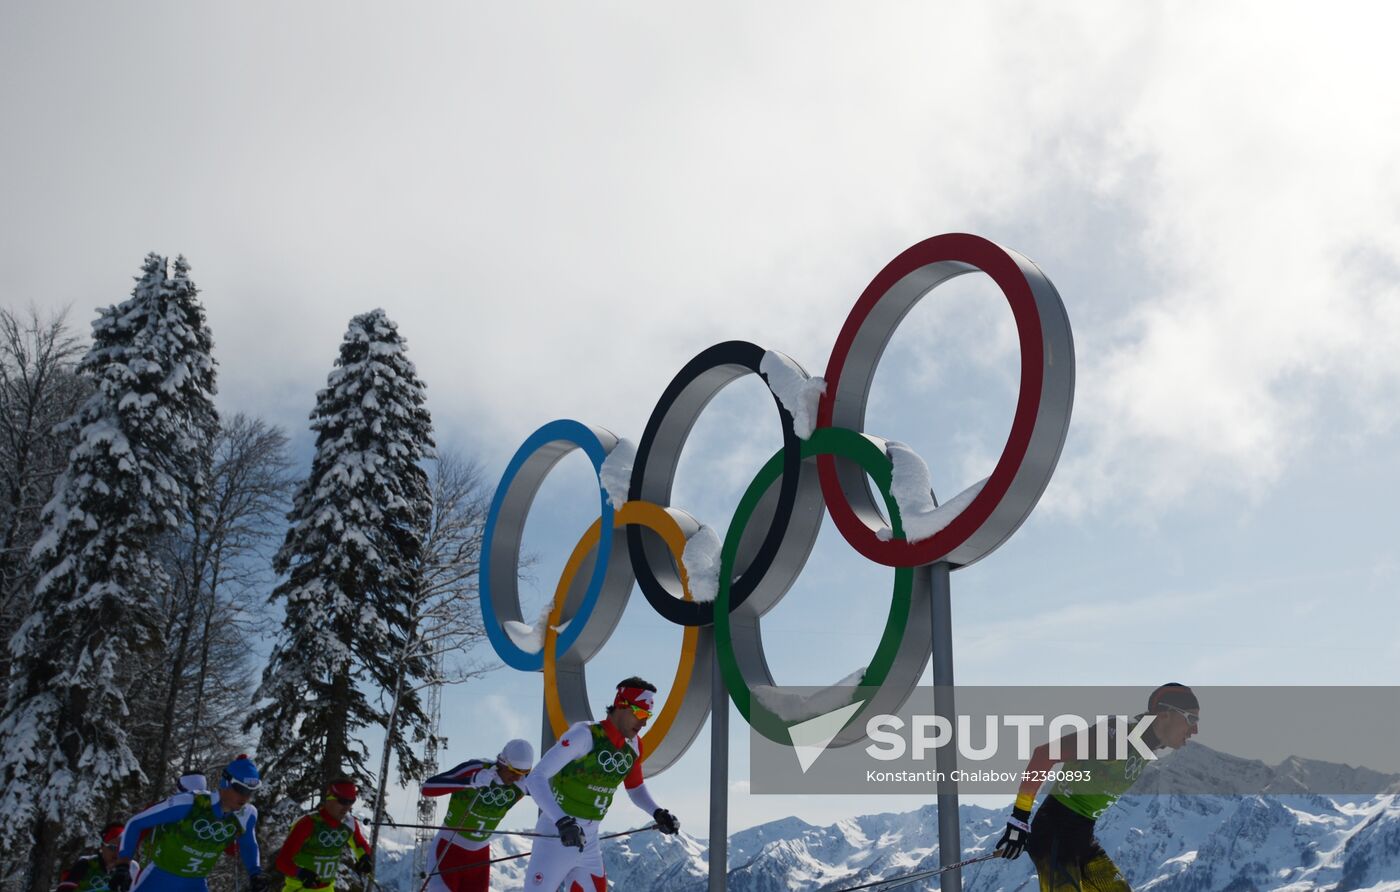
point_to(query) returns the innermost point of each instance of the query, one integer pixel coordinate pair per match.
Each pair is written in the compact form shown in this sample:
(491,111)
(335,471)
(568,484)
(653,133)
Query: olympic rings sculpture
(775,526)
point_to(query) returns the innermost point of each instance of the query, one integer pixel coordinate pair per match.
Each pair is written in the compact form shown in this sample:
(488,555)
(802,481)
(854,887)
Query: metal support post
(719,779)
(949,825)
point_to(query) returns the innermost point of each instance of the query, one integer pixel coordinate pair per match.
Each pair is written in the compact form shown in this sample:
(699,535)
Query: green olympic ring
(873,460)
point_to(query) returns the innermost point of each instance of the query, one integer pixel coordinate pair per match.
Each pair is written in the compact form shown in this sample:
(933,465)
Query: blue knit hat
(242,773)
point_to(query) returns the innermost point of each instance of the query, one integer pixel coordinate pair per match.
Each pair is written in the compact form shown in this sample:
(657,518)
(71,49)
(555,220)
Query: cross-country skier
(190,831)
(482,792)
(574,784)
(1061,839)
(89,872)
(311,855)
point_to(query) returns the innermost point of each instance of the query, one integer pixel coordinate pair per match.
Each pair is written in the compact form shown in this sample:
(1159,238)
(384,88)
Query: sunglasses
(240,787)
(640,712)
(343,800)
(1192,718)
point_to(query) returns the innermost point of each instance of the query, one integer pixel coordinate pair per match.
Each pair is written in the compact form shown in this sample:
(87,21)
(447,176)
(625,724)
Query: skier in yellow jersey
(1060,841)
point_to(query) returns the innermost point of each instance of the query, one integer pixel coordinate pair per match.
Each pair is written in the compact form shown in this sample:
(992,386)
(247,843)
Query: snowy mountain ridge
(1285,842)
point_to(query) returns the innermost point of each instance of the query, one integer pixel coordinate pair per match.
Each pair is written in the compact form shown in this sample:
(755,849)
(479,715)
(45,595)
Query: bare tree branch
(39,389)
(447,619)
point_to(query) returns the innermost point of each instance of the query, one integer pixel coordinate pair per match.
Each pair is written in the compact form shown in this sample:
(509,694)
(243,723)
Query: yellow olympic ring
(659,521)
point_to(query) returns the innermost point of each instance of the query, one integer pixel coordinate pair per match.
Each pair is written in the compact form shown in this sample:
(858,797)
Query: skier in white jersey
(574,783)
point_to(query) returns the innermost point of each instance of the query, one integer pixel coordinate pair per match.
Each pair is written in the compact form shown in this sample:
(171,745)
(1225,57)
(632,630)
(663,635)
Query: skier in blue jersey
(188,833)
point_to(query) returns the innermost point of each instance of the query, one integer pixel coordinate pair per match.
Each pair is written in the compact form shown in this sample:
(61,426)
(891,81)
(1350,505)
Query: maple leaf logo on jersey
(564,743)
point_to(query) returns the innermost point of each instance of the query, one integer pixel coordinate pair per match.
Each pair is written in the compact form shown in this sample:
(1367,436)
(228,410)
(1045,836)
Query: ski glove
(570,833)
(1018,832)
(308,878)
(666,822)
(364,865)
(119,878)
(259,882)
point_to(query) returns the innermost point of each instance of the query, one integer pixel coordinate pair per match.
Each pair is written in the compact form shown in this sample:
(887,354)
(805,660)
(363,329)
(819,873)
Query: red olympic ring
(1037,428)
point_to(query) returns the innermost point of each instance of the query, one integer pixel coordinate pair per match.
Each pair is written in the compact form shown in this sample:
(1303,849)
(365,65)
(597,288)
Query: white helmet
(517,755)
(193,783)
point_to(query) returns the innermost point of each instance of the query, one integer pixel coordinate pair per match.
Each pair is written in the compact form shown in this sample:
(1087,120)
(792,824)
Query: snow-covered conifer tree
(142,448)
(356,532)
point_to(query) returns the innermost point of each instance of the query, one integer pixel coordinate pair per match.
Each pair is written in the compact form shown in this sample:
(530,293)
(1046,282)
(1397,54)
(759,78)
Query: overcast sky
(560,204)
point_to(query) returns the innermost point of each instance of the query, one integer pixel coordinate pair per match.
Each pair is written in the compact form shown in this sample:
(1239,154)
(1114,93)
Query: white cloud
(1270,196)
(558,230)
(505,716)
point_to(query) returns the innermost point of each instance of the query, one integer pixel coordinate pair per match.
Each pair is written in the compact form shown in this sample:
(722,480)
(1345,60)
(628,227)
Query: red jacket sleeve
(73,876)
(301,831)
(634,775)
(358,830)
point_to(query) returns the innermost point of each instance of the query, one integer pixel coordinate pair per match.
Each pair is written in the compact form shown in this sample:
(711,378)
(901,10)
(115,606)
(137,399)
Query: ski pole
(893,882)
(436,872)
(464,829)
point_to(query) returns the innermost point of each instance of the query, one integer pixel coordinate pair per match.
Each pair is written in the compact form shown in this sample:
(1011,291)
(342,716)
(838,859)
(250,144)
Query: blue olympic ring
(548,444)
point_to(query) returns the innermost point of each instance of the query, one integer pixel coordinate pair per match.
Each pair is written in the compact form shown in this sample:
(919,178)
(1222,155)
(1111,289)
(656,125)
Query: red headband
(343,790)
(634,697)
(113,833)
